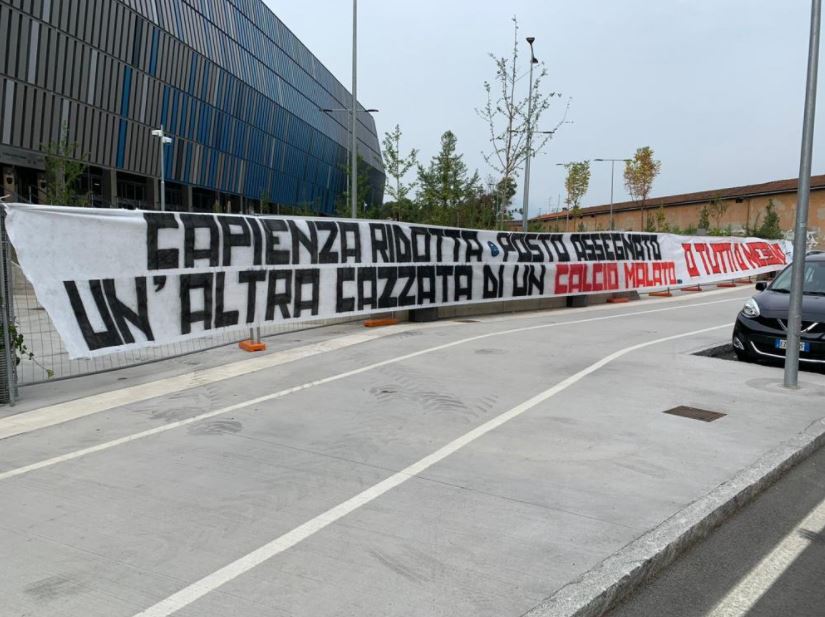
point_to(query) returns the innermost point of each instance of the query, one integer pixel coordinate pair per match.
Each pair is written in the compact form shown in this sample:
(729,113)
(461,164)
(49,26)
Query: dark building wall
(238,92)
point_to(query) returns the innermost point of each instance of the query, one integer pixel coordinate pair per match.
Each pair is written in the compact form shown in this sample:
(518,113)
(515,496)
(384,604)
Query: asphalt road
(768,560)
(446,469)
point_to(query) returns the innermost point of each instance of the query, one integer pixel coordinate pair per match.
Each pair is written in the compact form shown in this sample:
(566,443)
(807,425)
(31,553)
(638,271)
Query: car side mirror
(761,286)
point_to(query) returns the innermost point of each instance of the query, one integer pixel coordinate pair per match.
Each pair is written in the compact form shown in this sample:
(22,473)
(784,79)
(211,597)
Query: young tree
(639,174)
(505,191)
(576,184)
(446,184)
(479,211)
(63,170)
(704,219)
(662,224)
(716,210)
(574,215)
(509,117)
(397,166)
(770,229)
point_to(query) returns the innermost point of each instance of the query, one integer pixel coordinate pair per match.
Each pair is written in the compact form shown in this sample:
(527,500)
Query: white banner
(113,280)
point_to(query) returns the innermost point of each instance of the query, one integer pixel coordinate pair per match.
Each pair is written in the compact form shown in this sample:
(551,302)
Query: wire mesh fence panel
(51,361)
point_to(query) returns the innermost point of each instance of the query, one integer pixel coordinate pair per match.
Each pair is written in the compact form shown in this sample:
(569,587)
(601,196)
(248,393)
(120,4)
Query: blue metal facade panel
(225,76)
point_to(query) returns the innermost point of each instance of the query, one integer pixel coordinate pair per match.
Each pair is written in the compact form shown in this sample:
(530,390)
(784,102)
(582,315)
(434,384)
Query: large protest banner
(113,280)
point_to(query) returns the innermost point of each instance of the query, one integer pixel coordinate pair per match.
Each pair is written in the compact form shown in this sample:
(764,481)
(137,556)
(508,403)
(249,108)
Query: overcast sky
(715,87)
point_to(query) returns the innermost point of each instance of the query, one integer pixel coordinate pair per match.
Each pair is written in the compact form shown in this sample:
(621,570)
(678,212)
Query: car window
(814,279)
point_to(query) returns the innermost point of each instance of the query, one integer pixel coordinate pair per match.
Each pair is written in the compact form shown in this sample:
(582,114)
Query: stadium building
(241,97)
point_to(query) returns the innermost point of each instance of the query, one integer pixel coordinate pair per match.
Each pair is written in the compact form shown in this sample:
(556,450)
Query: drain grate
(467,321)
(695,414)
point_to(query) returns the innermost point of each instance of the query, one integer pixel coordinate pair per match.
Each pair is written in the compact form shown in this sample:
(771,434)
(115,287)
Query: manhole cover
(695,414)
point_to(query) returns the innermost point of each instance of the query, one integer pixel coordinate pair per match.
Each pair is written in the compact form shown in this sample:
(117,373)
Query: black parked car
(761,329)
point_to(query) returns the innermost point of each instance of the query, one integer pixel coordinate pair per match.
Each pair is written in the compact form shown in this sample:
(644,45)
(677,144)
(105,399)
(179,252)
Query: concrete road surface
(431,469)
(768,560)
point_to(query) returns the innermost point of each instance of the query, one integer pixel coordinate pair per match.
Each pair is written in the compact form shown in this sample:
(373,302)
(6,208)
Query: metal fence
(41,356)
(9,336)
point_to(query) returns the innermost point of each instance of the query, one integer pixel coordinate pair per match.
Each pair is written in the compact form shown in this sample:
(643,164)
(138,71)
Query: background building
(741,208)
(239,94)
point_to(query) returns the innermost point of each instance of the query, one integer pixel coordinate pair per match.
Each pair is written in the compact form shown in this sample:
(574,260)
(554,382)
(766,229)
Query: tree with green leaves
(639,174)
(397,166)
(717,208)
(64,167)
(445,184)
(770,229)
(504,192)
(662,224)
(479,211)
(704,219)
(510,116)
(576,184)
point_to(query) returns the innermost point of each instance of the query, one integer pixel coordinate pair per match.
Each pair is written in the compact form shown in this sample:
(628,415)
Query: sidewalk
(579,486)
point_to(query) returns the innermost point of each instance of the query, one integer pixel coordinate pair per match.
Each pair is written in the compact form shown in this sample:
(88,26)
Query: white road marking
(761,577)
(495,318)
(209,583)
(86,406)
(52,415)
(19,471)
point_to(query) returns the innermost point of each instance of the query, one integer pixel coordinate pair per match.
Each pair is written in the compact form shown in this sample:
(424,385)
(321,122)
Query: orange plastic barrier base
(694,288)
(660,294)
(378,323)
(252,346)
(729,284)
(618,300)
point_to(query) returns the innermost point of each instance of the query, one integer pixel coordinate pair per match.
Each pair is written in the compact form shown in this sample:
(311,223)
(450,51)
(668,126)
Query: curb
(615,578)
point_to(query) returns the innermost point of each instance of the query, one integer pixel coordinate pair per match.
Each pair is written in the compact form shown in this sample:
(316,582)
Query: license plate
(783,344)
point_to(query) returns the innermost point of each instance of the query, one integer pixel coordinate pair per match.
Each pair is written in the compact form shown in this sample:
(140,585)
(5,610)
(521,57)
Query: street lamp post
(533,60)
(612,169)
(801,229)
(354,153)
(164,139)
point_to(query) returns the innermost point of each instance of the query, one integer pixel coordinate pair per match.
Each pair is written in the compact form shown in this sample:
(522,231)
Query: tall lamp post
(801,229)
(612,169)
(526,173)
(164,139)
(533,60)
(354,153)
(328,110)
